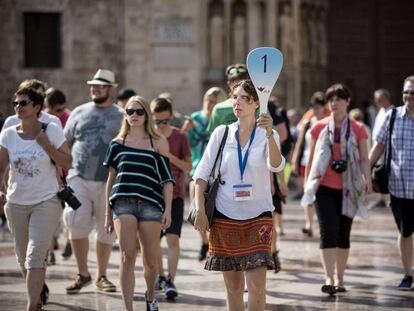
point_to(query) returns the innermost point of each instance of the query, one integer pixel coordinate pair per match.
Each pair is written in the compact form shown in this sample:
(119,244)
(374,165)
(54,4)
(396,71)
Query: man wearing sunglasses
(401,176)
(181,164)
(44,117)
(223,112)
(56,105)
(89,130)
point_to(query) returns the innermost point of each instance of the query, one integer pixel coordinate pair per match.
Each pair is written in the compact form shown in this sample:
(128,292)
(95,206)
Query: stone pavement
(373,273)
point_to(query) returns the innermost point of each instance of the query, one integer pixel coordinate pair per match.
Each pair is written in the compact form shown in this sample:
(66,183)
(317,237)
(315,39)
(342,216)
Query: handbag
(381,172)
(213,184)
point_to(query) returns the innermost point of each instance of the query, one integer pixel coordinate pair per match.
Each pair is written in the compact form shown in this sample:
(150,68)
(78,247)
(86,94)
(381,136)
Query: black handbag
(381,172)
(210,194)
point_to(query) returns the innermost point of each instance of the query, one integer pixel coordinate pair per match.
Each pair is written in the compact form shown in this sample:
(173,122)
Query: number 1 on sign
(264,63)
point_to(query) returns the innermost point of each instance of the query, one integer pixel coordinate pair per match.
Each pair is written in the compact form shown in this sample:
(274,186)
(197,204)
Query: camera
(339,166)
(66,195)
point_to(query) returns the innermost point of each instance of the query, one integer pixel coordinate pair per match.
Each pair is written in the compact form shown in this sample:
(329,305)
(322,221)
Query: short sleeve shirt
(89,130)
(331,178)
(401,181)
(179,147)
(222,115)
(43,117)
(198,138)
(32,177)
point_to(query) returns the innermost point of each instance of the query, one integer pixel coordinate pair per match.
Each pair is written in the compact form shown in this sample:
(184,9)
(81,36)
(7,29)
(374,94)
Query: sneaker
(44,294)
(80,281)
(276,261)
(160,283)
(67,252)
(51,258)
(406,283)
(170,289)
(203,252)
(104,285)
(151,305)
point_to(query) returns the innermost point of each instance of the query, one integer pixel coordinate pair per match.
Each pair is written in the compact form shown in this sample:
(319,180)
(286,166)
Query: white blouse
(256,173)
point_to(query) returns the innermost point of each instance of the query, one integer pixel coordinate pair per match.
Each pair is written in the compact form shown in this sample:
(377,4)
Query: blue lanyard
(243,162)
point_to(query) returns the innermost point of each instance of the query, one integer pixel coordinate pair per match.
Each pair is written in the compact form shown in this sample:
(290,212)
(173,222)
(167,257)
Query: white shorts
(91,214)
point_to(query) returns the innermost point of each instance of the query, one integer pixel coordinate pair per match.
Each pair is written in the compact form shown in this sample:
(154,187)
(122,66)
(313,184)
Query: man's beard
(100,100)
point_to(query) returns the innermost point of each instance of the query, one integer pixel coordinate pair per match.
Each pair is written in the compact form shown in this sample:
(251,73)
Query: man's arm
(376,153)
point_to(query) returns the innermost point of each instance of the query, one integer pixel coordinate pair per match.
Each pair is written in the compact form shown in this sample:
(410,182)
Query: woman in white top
(301,152)
(32,209)
(241,231)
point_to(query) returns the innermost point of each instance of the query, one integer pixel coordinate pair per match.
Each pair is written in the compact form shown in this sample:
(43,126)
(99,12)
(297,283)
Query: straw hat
(103,77)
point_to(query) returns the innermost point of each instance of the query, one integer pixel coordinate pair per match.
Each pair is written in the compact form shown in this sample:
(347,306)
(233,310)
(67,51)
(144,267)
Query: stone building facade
(183,46)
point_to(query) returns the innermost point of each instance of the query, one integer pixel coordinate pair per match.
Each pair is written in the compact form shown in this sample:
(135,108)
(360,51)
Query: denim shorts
(142,210)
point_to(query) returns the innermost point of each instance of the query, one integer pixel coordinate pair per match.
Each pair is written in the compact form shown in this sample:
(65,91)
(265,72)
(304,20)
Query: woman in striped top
(139,194)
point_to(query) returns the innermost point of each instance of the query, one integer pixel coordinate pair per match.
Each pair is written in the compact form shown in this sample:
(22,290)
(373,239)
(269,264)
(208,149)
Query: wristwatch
(269,135)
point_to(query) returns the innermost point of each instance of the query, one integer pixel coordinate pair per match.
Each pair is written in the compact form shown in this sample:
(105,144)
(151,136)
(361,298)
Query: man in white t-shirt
(382,99)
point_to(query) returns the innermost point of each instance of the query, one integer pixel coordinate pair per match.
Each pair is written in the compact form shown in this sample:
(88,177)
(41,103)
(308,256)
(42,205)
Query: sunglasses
(20,103)
(232,70)
(60,110)
(139,112)
(408,93)
(164,121)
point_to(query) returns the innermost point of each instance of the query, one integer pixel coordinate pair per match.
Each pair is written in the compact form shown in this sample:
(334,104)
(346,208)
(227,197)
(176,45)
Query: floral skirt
(240,245)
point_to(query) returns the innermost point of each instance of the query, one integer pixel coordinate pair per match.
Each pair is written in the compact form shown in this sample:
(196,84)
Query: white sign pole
(264,65)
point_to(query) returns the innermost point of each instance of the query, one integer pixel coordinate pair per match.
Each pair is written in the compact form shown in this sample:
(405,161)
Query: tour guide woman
(339,178)
(241,230)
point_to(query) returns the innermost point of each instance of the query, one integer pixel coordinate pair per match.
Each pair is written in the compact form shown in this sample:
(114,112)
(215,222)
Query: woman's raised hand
(265,121)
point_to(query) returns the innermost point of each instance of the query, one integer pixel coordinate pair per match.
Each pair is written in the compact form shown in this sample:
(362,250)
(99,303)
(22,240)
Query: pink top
(180,147)
(64,117)
(331,178)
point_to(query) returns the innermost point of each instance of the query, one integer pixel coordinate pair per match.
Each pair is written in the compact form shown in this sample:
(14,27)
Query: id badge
(242,192)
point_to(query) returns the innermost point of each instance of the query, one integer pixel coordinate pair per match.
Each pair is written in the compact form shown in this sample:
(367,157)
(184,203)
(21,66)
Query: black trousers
(335,228)
(403,211)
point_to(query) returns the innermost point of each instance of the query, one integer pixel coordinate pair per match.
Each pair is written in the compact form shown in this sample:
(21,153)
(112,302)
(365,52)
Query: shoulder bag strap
(219,153)
(388,152)
(59,172)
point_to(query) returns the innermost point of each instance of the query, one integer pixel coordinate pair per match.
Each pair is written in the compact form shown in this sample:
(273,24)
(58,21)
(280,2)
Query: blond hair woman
(139,195)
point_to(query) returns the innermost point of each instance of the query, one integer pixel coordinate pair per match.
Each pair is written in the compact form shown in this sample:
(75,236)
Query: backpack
(279,114)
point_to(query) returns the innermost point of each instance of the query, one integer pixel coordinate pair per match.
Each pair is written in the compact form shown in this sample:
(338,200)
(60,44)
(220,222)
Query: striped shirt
(401,181)
(140,173)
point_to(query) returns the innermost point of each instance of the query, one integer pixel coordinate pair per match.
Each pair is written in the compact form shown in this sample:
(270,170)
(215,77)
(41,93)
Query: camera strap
(59,172)
(347,135)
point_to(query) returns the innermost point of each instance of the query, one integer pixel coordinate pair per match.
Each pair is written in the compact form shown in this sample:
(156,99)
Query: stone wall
(150,45)
(91,34)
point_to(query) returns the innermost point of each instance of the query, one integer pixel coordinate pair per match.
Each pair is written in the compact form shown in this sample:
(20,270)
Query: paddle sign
(264,65)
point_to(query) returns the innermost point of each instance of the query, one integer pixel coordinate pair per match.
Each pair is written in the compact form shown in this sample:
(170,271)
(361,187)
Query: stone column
(296,100)
(227,32)
(272,11)
(253,24)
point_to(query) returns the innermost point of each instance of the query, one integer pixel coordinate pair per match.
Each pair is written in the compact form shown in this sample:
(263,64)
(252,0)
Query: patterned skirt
(240,245)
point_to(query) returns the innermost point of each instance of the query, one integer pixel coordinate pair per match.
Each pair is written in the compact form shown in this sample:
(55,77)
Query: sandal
(276,261)
(328,289)
(44,294)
